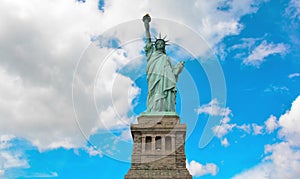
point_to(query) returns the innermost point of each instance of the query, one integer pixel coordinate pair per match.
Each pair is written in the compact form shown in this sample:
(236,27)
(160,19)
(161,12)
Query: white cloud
(37,68)
(292,14)
(262,51)
(213,108)
(94,151)
(257,129)
(254,51)
(35,112)
(293,9)
(197,169)
(223,129)
(276,89)
(283,158)
(10,158)
(294,75)
(258,172)
(271,124)
(289,123)
(245,127)
(126,135)
(41,43)
(225,142)
(247,43)
(5,141)
(276,166)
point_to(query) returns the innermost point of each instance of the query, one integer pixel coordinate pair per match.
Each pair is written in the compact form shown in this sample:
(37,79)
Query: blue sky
(72,80)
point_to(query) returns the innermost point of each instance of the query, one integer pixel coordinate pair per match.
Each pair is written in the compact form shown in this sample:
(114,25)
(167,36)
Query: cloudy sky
(72,80)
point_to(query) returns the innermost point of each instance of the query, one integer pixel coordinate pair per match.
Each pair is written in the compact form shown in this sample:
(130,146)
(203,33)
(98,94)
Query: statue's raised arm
(147,20)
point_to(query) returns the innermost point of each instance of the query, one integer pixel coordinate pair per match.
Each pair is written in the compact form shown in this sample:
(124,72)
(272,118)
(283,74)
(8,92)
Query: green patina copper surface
(161,74)
(162,113)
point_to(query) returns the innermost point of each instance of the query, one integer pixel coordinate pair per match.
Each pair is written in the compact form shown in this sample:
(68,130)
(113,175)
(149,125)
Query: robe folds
(161,78)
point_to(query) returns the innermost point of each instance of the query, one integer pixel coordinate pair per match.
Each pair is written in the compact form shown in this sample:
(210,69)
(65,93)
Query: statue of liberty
(161,74)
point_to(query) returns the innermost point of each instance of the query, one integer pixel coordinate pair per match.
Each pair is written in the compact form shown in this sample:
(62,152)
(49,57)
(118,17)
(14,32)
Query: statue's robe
(161,77)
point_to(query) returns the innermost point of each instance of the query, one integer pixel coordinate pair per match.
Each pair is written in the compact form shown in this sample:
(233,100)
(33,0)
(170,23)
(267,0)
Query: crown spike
(165,37)
(159,35)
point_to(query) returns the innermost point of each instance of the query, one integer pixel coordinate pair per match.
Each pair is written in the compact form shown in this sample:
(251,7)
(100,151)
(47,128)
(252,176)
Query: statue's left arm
(177,69)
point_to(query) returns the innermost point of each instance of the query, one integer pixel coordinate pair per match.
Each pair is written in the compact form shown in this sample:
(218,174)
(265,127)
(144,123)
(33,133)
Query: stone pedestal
(158,150)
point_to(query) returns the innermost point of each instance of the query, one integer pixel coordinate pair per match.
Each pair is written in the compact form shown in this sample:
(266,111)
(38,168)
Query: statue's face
(160,45)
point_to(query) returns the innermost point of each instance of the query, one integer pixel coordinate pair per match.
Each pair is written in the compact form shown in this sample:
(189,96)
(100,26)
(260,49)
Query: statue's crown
(161,39)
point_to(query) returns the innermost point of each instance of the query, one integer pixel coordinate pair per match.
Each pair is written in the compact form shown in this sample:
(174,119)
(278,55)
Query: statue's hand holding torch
(147,20)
